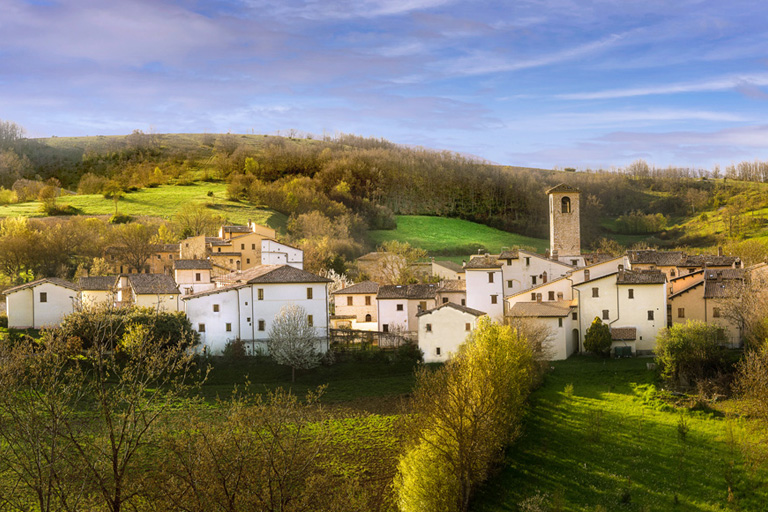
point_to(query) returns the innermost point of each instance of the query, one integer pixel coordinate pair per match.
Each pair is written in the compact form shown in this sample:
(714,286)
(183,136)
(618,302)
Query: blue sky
(545,83)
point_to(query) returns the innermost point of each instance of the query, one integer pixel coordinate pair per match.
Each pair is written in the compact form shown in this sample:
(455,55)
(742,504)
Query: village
(233,286)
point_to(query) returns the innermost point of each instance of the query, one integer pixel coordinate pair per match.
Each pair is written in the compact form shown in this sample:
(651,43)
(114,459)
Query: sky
(540,83)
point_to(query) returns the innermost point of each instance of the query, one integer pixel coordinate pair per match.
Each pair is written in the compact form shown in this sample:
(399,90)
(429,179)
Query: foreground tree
(598,338)
(465,413)
(293,341)
(691,352)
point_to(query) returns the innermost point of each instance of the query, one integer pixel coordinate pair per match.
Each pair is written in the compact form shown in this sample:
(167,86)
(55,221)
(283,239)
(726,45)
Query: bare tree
(293,341)
(195,219)
(134,244)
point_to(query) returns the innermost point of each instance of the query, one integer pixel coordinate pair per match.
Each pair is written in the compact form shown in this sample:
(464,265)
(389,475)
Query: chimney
(554,254)
(547,254)
(621,268)
(463,263)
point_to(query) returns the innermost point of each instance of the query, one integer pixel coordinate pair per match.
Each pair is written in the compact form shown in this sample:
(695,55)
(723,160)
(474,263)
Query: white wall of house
(251,318)
(275,253)
(634,312)
(599,269)
(89,298)
(393,315)
(562,341)
(559,289)
(529,270)
(481,290)
(26,308)
(161,302)
(442,331)
(358,307)
(193,280)
(590,306)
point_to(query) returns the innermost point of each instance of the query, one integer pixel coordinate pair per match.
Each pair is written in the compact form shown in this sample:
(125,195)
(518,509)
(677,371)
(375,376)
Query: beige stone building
(564,224)
(356,307)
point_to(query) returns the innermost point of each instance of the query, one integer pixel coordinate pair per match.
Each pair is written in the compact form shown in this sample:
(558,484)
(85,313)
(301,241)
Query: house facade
(444,328)
(40,303)
(355,307)
(485,287)
(398,306)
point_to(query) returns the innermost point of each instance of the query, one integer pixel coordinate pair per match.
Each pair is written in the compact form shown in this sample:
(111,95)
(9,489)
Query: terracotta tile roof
(512,254)
(214,240)
(623,333)
(52,280)
(641,277)
(540,309)
(97,283)
(167,247)
(709,260)
(654,257)
(562,187)
(483,262)
(457,307)
(367,287)
(450,266)
(452,285)
(152,284)
(236,229)
(263,274)
(724,273)
(192,265)
(407,291)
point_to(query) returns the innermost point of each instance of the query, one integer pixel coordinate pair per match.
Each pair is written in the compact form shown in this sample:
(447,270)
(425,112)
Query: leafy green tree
(598,338)
(691,352)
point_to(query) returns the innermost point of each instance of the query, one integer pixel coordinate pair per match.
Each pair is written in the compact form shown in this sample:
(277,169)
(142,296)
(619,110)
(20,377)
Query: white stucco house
(193,276)
(97,290)
(444,328)
(40,303)
(560,320)
(277,253)
(155,291)
(522,270)
(398,306)
(485,287)
(245,304)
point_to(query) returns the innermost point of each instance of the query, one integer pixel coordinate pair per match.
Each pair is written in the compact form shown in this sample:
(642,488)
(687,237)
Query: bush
(598,338)
(409,352)
(120,218)
(691,352)
(234,350)
(3,320)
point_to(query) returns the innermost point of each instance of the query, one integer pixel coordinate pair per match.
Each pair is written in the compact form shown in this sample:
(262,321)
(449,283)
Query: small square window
(445,300)
(494,299)
(399,307)
(310,321)
(349,300)
(467,327)
(595,292)
(200,327)
(229,327)
(253,247)
(198,276)
(606,314)
(533,280)
(510,283)
(242,247)
(715,312)
(533,295)
(43,296)
(215,308)
(559,322)
(680,312)
(490,277)
(247,261)
(429,327)
(260,293)
(551,296)
(631,292)
(574,316)
(261,325)
(463,302)
(422,306)
(385,327)
(309,293)
(367,300)
(437,351)
(650,314)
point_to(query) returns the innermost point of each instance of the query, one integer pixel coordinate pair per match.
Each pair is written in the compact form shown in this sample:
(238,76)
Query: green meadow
(453,237)
(609,443)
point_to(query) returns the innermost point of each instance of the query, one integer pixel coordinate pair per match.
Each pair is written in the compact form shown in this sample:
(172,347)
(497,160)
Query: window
(650,314)
(248,320)
(574,316)
(247,261)
(429,327)
(253,247)
(437,351)
(231,260)
(533,280)
(533,295)
(527,261)
(349,300)
(605,314)
(242,247)
(260,293)
(574,262)
(423,305)
(445,300)
(494,299)
(509,284)
(672,273)
(595,292)
(310,321)
(490,277)
(261,325)
(229,327)
(565,205)
(467,327)
(158,256)
(385,328)
(309,293)
(43,296)
(463,302)
(198,276)
(200,327)
(367,300)
(219,249)
(538,297)
(680,312)
(215,308)
(399,307)
(559,295)
(559,322)
(368,317)
(631,293)
(551,296)
(715,312)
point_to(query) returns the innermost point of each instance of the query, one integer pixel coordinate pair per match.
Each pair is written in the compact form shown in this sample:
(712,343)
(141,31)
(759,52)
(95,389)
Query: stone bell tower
(564,225)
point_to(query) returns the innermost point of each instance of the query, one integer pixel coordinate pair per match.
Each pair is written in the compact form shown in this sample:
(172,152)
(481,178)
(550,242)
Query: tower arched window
(565,203)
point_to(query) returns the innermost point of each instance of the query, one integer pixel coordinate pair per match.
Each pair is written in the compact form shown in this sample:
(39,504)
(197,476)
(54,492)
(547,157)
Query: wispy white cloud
(707,85)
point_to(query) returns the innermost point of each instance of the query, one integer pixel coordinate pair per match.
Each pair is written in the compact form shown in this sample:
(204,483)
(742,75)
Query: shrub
(3,320)
(691,352)
(234,350)
(598,338)
(120,218)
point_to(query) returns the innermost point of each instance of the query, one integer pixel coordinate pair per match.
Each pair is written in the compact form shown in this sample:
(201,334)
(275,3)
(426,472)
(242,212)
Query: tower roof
(562,188)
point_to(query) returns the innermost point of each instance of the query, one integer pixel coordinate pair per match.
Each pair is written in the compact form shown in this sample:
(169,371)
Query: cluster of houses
(233,286)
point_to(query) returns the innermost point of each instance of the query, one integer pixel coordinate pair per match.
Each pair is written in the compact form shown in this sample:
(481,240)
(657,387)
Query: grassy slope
(453,237)
(604,445)
(162,201)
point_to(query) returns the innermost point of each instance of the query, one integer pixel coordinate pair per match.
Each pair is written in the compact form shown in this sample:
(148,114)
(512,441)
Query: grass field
(162,201)
(609,445)
(453,237)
